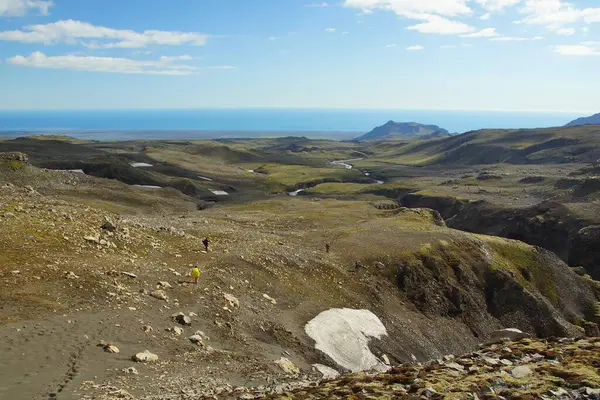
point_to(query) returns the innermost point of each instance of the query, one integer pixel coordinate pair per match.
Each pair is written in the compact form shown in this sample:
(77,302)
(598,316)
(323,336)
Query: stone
(287,366)
(71,275)
(129,274)
(594,393)
(131,371)
(176,330)
(111,348)
(182,319)
(92,239)
(455,366)
(233,301)
(521,371)
(147,328)
(108,225)
(269,298)
(488,391)
(490,361)
(164,284)
(429,393)
(145,356)
(159,294)
(508,334)
(559,392)
(327,372)
(380,265)
(195,339)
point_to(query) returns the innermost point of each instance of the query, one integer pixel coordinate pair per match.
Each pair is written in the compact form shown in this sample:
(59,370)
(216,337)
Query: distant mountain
(404,130)
(593,120)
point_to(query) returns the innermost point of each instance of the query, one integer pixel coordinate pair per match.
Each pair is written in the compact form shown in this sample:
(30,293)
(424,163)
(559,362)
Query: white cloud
(554,14)
(18,8)
(414,9)
(415,48)
(442,26)
(163,66)
(184,57)
(496,5)
(390,45)
(485,16)
(330,30)
(510,39)
(433,13)
(345,33)
(578,50)
(318,5)
(448,46)
(487,32)
(565,31)
(70,31)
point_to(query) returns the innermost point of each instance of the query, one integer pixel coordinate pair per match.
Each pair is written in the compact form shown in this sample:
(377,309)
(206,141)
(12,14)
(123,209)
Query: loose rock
(145,356)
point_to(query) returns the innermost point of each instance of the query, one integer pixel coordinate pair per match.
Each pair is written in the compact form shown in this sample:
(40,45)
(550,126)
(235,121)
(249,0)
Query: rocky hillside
(591,120)
(404,130)
(94,272)
(579,144)
(526,369)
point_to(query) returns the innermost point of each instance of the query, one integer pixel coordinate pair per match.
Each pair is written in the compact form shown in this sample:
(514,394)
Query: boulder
(182,319)
(164,284)
(269,298)
(195,339)
(131,371)
(111,348)
(108,225)
(233,301)
(159,294)
(145,356)
(521,371)
(287,366)
(507,335)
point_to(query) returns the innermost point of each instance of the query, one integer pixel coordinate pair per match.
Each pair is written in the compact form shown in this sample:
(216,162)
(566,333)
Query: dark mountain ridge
(591,120)
(394,130)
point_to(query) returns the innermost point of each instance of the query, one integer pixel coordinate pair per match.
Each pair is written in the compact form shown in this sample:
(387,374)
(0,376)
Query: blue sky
(408,54)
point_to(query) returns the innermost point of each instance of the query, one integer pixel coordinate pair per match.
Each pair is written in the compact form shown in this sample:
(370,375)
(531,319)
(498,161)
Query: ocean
(213,123)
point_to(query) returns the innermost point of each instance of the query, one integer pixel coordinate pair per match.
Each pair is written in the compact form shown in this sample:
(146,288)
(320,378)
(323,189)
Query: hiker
(196,274)
(357,266)
(327,246)
(205,242)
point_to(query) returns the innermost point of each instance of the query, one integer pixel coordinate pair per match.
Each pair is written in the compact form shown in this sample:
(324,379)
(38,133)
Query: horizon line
(296,108)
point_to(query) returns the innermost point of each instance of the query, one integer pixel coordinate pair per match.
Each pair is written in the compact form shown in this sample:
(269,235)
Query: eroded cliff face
(550,225)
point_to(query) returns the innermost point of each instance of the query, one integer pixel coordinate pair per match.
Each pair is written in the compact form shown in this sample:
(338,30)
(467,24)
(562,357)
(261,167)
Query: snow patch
(296,192)
(205,178)
(327,372)
(343,334)
(148,186)
(219,192)
(141,165)
(78,171)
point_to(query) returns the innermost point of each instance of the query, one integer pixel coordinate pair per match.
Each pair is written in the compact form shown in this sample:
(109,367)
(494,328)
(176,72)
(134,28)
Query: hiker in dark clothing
(205,242)
(327,246)
(357,266)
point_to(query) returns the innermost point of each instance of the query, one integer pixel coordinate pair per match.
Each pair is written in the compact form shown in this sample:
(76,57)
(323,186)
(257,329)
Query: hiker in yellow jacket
(195,273)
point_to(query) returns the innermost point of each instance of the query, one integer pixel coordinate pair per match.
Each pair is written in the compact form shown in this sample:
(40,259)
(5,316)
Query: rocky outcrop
(550,225)
(14,156)
(527,369)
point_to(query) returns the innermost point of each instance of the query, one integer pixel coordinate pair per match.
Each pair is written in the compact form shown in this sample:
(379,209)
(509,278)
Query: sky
(514,55)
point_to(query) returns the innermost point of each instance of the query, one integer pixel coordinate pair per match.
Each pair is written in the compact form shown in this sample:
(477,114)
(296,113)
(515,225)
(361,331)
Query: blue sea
(213,123)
